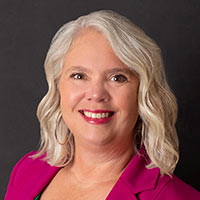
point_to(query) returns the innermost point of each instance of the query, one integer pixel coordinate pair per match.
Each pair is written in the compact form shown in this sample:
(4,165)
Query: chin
(98,139)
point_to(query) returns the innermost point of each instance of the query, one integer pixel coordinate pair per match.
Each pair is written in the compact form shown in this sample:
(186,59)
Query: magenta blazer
(30,176)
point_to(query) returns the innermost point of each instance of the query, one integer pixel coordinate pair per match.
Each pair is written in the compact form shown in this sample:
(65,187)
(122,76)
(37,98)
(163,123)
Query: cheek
(129,105)
(70,96)
(133,102)
(129,99)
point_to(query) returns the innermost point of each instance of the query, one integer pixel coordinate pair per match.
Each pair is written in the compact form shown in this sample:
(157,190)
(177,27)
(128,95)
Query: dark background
(26,28)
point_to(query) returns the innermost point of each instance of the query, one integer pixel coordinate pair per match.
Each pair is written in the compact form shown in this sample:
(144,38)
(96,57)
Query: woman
(107,121)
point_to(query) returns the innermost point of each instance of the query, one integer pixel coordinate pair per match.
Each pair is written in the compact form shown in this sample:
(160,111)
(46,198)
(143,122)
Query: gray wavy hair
(157,104)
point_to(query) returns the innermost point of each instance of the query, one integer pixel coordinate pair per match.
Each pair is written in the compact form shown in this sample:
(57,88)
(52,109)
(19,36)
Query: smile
(97,116)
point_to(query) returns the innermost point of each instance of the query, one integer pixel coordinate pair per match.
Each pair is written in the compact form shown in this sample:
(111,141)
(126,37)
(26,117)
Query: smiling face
(98,93)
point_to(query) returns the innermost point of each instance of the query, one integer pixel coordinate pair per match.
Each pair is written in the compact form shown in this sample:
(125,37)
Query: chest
(76,192)
(67,188)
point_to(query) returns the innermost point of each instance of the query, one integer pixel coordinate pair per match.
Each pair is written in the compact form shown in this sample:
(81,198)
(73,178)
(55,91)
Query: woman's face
(98,92)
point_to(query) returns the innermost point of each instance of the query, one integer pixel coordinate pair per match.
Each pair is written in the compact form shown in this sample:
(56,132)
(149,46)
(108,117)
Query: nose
(97,92)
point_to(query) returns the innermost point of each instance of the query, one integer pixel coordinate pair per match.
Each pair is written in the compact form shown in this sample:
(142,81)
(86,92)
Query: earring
(59,129)
(138,132)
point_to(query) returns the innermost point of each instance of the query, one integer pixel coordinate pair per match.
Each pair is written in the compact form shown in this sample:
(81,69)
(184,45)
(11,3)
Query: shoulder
(175,188)
(25,166)
(171,188)
(149,184)
(29,175)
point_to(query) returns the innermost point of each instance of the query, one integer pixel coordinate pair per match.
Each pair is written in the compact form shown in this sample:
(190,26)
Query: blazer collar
(137,176)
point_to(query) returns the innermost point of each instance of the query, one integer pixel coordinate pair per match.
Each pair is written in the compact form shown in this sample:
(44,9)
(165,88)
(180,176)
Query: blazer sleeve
(29,177)
(15,178)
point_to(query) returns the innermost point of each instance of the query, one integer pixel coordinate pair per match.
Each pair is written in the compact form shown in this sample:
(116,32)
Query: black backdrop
(26,28)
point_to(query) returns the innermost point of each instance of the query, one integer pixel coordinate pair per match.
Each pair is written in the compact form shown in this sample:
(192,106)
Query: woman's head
(98,94)
(156,104)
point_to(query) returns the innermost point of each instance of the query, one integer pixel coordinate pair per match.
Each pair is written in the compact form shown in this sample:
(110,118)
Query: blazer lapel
(135,179)
(41,180)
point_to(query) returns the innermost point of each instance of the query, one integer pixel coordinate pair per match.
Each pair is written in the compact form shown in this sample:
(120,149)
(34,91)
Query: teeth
(93,115)
(96,115)
(89,114)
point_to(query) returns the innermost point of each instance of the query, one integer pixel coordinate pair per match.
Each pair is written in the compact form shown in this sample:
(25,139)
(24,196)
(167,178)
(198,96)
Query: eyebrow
(122,70)
(77,68)
(113,70)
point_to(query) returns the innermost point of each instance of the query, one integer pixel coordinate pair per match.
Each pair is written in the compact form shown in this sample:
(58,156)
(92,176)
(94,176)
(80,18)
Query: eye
(119,78)
(78,76)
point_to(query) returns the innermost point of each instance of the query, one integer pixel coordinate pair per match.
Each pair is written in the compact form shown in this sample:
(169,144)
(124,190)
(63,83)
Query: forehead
(92,48)
(89,36)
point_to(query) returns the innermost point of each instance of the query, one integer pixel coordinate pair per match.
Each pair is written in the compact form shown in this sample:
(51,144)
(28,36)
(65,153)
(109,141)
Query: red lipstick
(97,116)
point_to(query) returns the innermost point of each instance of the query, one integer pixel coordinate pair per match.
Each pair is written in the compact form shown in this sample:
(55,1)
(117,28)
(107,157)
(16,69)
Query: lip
(96,120)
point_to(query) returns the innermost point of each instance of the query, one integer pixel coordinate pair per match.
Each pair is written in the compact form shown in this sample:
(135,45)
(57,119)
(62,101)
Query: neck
(91,163)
